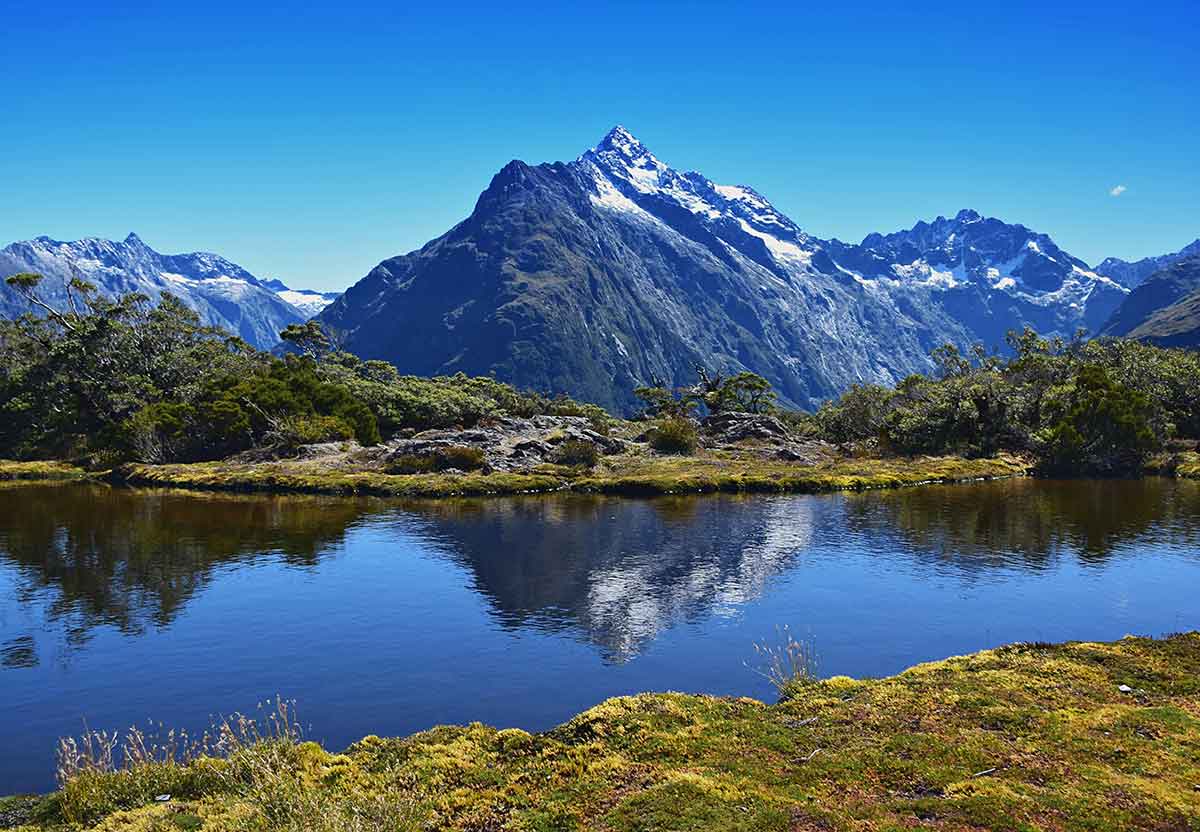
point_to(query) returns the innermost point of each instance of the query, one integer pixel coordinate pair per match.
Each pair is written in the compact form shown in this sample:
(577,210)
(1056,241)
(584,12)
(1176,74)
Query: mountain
(1132,274)
(223,293)
(1177,325)
(1164,309)
(614,270)
(308,301)
(989,275)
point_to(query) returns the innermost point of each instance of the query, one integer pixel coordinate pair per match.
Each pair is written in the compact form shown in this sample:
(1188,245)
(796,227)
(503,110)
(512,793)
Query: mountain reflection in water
(612,571)
(379,616)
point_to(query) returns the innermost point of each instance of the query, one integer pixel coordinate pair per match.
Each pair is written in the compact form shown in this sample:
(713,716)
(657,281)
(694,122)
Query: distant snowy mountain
(308,301)
(990,275)
(598,275)
(1165,308)
(223,293)
(1133,274)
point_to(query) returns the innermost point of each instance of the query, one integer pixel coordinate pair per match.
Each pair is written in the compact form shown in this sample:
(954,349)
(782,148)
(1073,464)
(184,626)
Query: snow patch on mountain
(308,301)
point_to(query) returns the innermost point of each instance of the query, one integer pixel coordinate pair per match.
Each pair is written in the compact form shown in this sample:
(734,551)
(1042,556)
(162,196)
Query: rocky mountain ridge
(614,270)
(223,293)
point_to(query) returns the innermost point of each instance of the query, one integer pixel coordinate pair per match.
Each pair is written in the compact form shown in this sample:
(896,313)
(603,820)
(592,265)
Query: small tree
(1104,430)
(745,392)
(663,403)
(309,338)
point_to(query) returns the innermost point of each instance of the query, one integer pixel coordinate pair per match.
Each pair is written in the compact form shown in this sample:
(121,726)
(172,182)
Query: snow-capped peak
(627,177)
(622,141)
(622,156)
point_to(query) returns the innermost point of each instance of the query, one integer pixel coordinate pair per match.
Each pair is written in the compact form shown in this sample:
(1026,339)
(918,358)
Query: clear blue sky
(312,144)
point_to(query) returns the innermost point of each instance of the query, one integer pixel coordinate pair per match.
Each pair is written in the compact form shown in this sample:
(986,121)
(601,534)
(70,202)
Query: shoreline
(1078,735)
(625,476)
(638,476)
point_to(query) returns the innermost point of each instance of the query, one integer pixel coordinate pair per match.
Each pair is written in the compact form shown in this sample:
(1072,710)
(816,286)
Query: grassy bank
(1184,465)
(1074,736)
(633,474)
(41,470)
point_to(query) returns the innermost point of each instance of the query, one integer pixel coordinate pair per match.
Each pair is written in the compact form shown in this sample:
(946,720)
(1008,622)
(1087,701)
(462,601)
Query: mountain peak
(620,144)
(967,215)
(620,139)
(134,240)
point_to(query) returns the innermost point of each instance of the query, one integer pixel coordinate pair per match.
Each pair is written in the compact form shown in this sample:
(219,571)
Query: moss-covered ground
(1078,736)
(39,470)
(625,474)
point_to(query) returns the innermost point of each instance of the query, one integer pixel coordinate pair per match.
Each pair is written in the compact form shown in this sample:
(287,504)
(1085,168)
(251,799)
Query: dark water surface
(118,606)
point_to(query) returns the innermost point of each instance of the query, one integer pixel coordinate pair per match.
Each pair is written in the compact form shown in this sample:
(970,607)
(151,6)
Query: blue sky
(311,144)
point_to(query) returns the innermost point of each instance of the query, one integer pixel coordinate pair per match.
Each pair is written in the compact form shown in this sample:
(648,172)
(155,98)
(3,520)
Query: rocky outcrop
(764,434)
(507,444)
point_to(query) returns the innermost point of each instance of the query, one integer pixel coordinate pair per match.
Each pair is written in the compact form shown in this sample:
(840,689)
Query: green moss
(630,474)
(311,479)
(1020,738)
(40,470)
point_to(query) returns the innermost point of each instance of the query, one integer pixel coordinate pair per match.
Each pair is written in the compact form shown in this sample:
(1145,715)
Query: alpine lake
(123,607)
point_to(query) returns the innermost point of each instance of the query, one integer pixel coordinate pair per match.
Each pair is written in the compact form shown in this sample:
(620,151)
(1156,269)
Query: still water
(119,606)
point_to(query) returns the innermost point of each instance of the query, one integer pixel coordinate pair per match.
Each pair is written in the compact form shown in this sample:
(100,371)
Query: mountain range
(1165,308)
(223,293)
(1133,274)
(614,270)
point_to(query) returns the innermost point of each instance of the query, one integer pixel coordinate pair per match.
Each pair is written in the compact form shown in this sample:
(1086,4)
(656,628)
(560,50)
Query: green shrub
(309,430)
(459,456)
(1103,431)
(674,436)
(411,464)
(577,452)
(857,416)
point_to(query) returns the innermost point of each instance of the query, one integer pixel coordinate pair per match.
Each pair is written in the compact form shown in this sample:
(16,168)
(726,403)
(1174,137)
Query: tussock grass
(789,664)
(1030,736)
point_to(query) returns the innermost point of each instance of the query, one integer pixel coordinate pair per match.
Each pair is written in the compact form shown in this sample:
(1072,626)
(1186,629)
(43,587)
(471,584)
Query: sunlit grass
(1095,736)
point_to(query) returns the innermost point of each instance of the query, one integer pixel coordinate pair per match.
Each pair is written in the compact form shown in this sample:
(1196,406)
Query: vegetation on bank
(116,382)
(628,474)
(39,470)
(1077,736)
(1079,408)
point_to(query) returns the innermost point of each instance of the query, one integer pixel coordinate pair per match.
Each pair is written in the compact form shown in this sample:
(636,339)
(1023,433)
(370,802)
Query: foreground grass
(1024,737)
(41,470)
(630,474)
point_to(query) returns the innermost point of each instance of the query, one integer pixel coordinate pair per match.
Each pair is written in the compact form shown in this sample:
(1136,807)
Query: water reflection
(132,559)
(1026,523)
(614,573)
(618,572)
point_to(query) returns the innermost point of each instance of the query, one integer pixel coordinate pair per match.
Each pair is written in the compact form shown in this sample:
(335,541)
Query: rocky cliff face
(223,293)
(614,270)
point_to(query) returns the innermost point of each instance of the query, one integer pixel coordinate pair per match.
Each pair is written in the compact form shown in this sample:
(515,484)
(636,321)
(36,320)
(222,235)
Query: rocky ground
(515,445)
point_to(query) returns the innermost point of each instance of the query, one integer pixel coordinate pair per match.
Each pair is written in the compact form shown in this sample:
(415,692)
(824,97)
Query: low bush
(411,464)
(459,456)
(674,436)
(578,452)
